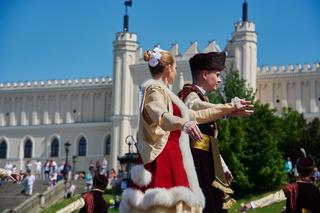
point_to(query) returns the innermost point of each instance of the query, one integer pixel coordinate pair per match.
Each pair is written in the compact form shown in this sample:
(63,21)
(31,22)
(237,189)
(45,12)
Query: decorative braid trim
(225,189)
(228,202)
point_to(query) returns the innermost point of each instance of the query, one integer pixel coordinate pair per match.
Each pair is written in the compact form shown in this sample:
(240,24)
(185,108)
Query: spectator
(38,166)
(88,180)
(104,166)
(91,166)
(288,168)
(69,190)
(27,183)
(47,170)
(28,165)
(8,166)
(53,179)
(316,174)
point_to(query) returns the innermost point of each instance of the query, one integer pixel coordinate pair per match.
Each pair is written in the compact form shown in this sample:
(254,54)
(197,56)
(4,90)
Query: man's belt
(203,144)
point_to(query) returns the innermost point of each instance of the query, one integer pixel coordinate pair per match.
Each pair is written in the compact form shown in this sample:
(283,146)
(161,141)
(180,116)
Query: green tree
(263,158)
(249,145)
(232,86)
(293,128)
(312,139)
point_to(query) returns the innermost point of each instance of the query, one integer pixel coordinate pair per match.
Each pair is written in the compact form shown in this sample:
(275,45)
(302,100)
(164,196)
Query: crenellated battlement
(298,68)
(189,52)
(244,26)
(126,36)
(56,83)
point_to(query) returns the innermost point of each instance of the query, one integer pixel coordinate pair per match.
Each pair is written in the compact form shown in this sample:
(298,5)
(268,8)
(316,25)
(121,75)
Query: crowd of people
(49,172)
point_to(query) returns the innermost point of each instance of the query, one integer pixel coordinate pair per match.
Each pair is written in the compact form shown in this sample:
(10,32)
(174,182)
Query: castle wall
(65,109)
(292,86)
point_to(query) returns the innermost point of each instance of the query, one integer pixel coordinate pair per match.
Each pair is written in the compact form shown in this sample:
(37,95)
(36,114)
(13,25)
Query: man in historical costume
(301,195)
(213,174)
(90,202)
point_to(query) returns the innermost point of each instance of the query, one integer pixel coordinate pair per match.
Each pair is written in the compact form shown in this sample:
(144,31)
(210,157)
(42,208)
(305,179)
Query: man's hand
(229,177)
(244,108)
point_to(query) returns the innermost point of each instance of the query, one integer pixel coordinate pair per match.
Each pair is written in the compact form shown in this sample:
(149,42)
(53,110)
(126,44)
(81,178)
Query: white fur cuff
(140,176)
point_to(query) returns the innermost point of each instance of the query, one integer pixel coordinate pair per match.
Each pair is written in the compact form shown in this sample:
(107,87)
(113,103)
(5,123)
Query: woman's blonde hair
(166,59)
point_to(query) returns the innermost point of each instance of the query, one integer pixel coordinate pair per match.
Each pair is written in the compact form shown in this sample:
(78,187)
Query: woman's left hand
(192,129)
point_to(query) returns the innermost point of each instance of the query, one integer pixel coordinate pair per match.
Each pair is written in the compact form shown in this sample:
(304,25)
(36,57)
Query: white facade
(101,111)
(65,110)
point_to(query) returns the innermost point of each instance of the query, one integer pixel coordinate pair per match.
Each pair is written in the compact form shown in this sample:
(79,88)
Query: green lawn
(64,202)
(235,209)
(275,208)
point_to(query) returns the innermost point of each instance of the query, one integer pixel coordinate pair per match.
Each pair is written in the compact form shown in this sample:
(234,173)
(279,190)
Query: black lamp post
(129,159)
(66,165)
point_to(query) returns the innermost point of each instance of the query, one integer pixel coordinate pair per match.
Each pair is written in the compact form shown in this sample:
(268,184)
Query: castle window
(28,149)
(82,147)
(108,145)
(3,150)
(55,148)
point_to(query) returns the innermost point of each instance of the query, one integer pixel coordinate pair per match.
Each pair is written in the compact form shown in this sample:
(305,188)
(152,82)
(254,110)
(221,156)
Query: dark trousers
(203,161)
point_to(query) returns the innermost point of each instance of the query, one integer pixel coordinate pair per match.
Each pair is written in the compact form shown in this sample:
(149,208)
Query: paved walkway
(10,196)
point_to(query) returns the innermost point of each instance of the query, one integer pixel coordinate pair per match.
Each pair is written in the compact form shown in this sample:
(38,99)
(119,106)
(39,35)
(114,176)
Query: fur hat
(208,61)
(305,164)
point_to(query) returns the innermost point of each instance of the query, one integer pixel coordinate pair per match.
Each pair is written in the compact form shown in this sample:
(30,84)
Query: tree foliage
(255,148)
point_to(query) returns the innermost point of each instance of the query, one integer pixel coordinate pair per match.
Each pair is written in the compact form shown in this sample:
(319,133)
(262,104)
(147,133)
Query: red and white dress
(167,169)
(170,177)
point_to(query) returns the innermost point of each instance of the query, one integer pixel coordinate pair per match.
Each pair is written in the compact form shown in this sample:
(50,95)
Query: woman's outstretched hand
(192,129)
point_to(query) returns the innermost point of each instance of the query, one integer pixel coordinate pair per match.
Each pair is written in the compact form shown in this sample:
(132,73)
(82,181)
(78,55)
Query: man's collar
(201,89)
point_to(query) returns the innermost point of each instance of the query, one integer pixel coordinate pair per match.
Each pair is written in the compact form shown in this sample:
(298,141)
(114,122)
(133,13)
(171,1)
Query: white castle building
(97,115)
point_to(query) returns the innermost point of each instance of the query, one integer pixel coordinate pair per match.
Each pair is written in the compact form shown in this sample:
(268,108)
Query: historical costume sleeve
(76,205)
(207,111)
(156,110)
(268,200)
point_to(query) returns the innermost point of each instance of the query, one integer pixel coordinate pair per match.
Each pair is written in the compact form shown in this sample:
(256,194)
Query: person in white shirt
(104,166)
(38,166)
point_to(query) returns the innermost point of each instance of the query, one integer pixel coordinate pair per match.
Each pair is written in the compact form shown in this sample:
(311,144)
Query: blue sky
(63,39)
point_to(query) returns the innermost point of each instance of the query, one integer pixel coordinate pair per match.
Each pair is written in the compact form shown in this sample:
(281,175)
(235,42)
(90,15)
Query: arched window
(3,150)
(28,149)
(107,149)
(82,147)
(55,148)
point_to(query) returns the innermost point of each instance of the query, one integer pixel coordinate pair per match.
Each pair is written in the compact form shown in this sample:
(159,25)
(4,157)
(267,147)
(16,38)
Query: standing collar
(201,89)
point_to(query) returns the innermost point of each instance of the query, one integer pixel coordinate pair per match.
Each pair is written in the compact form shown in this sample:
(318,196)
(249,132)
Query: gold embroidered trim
(230,202)
(225,189)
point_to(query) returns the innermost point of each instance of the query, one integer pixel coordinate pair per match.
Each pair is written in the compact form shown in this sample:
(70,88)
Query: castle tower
(242,48)
(124,54)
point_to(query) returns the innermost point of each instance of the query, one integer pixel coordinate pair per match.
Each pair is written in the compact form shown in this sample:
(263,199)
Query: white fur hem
(140,176)
(132,198)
